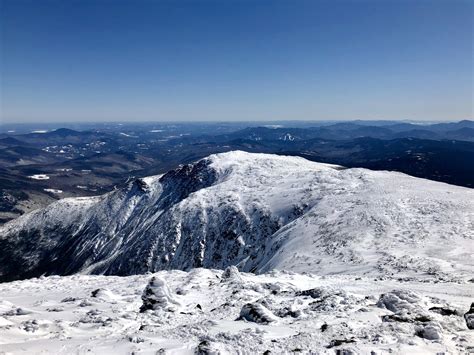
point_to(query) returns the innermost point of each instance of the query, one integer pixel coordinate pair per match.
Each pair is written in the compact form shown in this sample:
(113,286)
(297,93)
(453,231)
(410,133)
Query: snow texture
(253,314)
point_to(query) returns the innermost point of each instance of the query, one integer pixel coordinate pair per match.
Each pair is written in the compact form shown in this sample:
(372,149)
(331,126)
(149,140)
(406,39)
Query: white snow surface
(39,177)
(84,314)
(259,212)
(54,191)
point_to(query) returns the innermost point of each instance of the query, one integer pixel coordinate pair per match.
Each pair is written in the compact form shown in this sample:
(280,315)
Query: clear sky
(113,60)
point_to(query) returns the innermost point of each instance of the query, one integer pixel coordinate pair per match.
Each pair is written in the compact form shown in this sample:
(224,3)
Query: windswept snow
(256,211)
(253,314)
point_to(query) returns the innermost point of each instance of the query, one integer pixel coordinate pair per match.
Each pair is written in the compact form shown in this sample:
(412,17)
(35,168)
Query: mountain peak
(256,211)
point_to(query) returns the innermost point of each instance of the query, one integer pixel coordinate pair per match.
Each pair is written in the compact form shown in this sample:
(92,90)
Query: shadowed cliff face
(55,246)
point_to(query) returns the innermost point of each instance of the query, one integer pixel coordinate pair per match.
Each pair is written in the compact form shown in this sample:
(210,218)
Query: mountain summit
(257,212)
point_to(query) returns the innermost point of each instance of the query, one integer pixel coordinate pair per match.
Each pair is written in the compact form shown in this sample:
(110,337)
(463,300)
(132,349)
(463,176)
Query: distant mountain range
(463,130)
(102,157)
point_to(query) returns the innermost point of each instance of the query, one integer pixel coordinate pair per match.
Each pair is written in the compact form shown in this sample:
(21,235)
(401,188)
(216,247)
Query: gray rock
(469,317)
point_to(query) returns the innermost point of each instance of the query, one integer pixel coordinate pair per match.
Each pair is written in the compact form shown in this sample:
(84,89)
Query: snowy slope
(206,312)
(256,211)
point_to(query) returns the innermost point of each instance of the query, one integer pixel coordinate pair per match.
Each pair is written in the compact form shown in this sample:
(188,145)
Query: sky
(192,60)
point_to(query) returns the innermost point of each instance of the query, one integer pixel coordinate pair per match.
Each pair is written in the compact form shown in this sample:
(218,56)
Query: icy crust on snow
(258,212)
(229,312)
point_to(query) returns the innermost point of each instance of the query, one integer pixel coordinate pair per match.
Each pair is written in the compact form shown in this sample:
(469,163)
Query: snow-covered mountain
(258,212)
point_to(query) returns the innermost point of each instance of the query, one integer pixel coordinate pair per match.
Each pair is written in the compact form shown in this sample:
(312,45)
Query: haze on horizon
(235,60)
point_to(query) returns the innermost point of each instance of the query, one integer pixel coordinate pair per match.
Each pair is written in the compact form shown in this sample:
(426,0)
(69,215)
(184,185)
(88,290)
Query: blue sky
(107,60)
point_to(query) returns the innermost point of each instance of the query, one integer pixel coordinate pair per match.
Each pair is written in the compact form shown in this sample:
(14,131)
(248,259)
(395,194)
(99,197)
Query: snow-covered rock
(343,316)
(157,296)
(231,274)
(103,294)
(258,212)
(400,301)
(257,313)
(431,331)
(406,306)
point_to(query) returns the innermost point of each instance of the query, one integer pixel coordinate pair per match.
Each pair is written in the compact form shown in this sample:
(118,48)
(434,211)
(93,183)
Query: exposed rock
(337,342)
(317,292)
(103,294)
(207,347)
(69,299)
(257,313)
(469,317)
(444,311)
(431,331)
(17,312)
(405,318)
